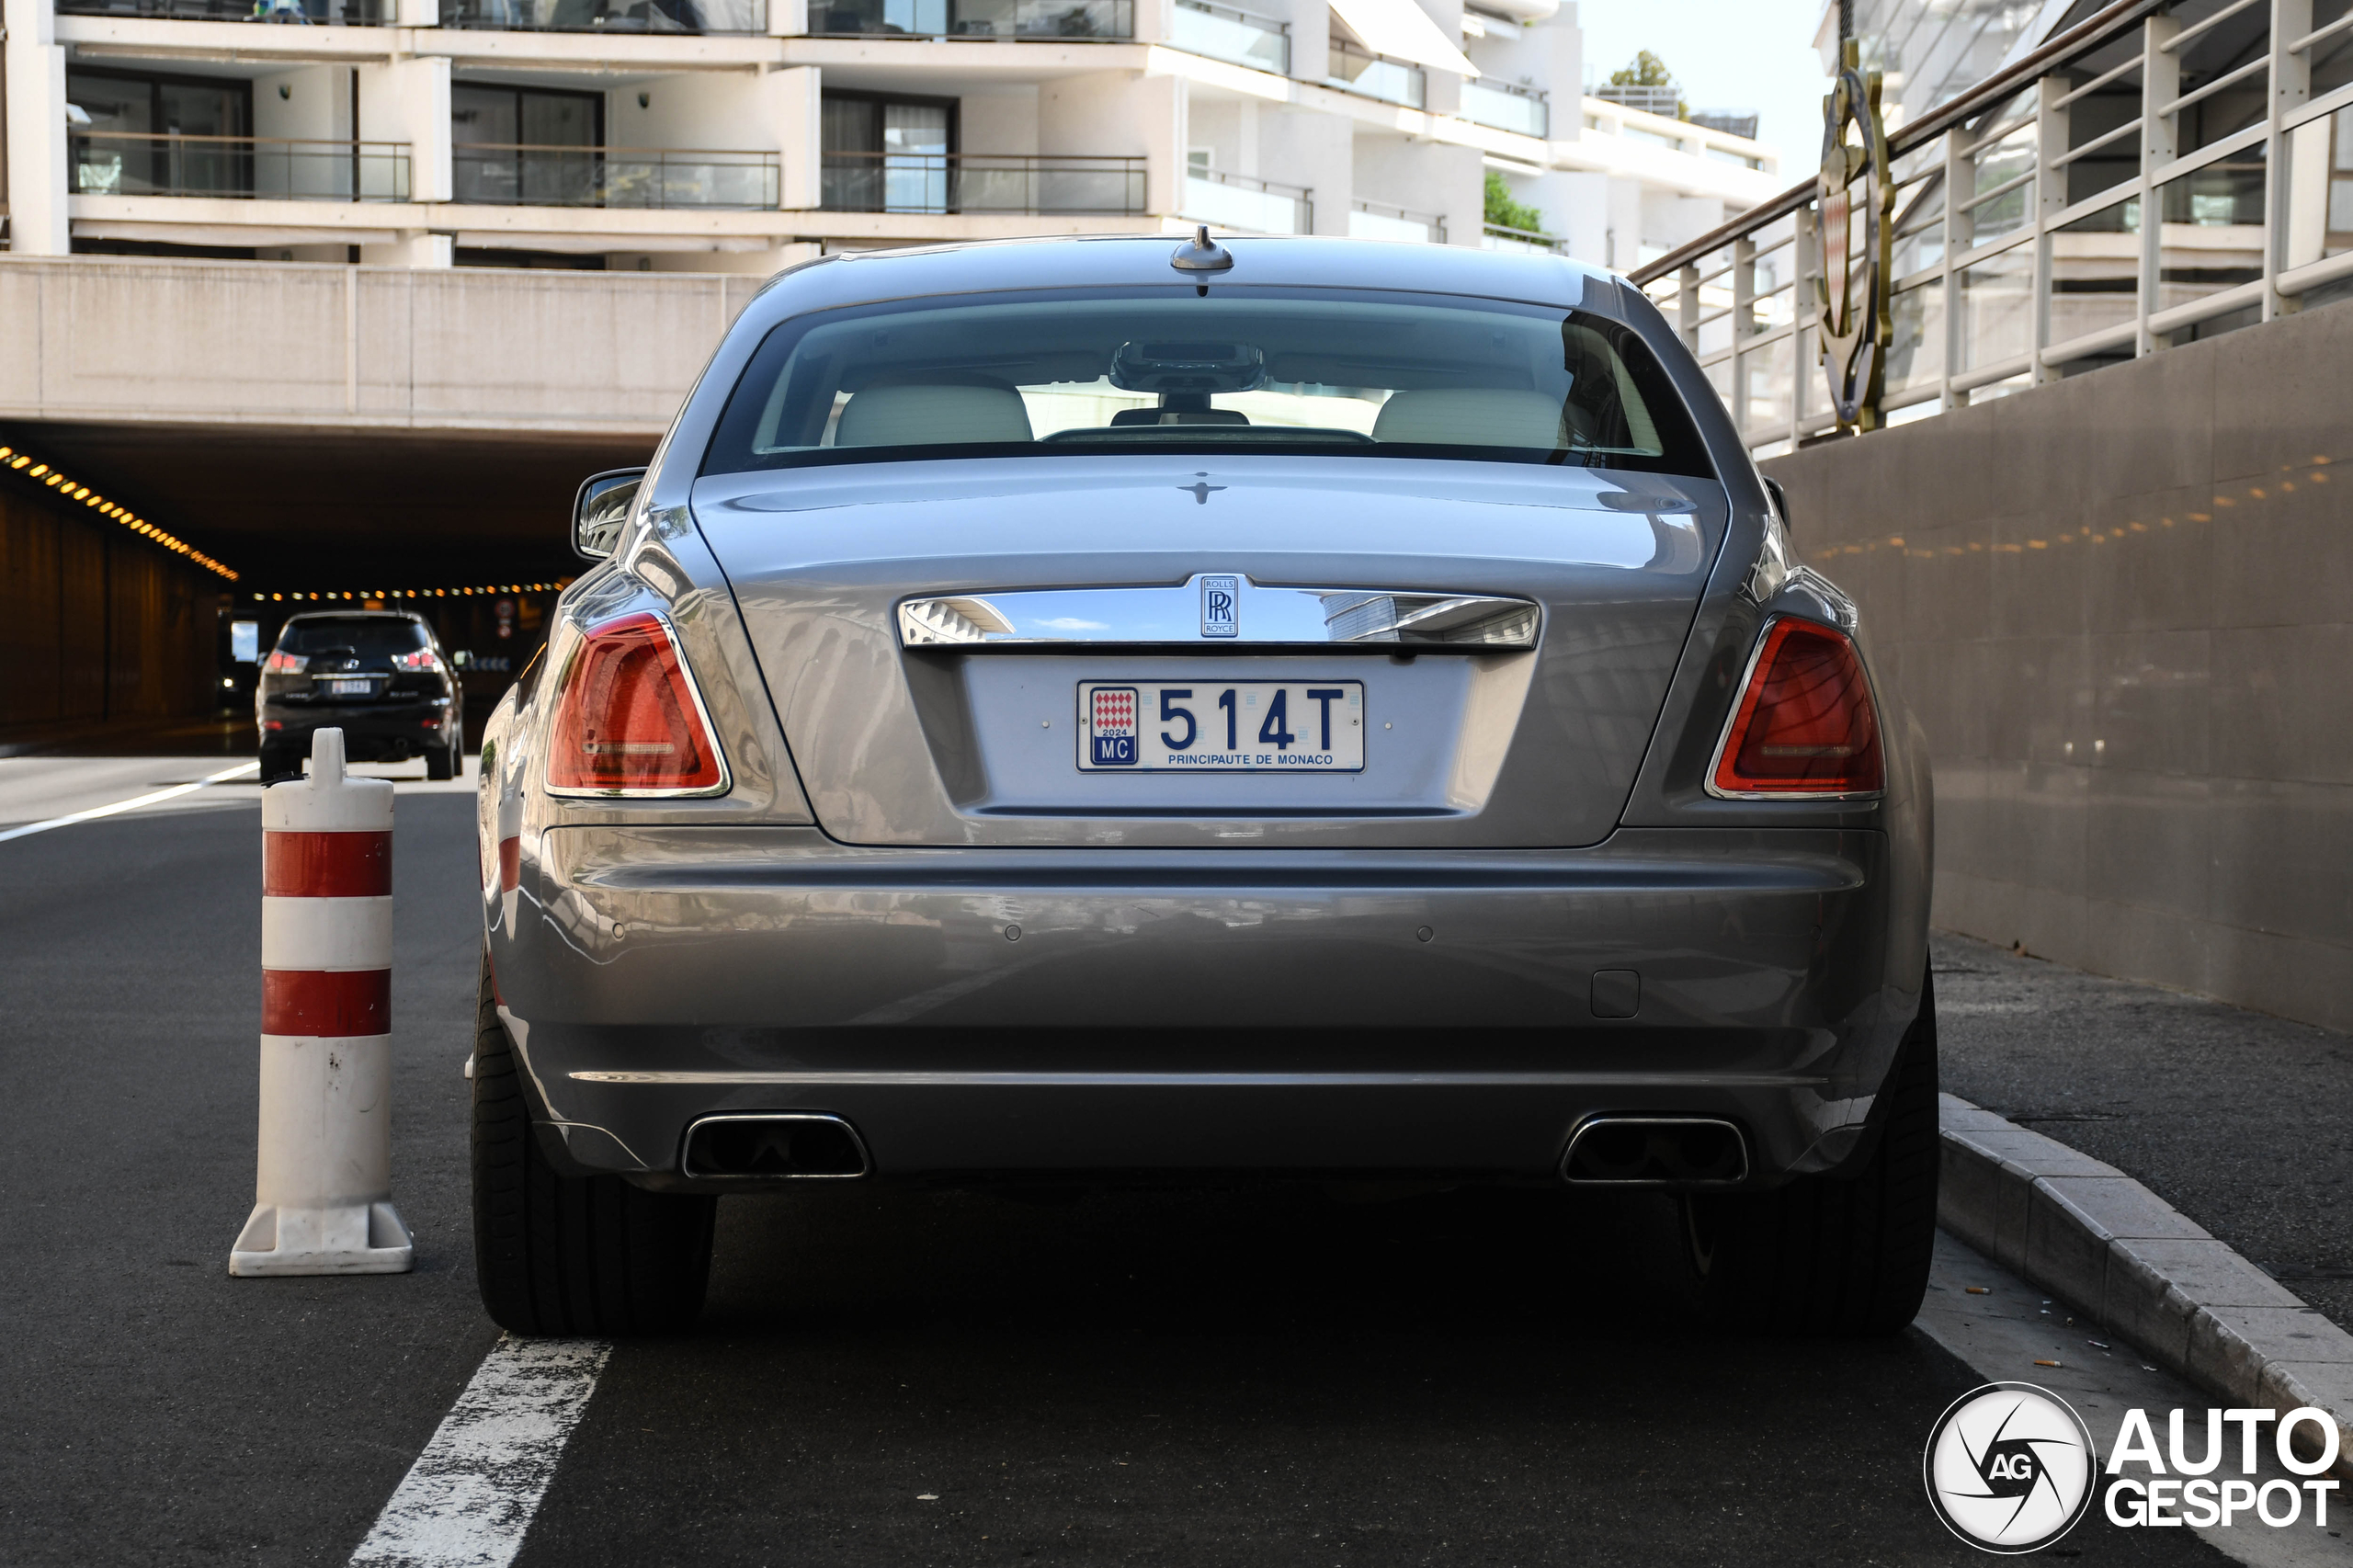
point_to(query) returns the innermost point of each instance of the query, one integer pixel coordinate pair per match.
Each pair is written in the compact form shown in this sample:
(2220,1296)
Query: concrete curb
(2089,1234)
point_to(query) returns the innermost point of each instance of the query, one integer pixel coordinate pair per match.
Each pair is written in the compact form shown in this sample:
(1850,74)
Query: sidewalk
(2238,1119)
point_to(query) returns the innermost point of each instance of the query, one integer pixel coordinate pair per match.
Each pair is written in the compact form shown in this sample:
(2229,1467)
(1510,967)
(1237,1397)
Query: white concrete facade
(709,152)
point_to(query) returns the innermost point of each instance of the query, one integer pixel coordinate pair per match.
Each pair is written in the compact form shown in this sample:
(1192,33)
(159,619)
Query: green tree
(1506,213)
(1649,71)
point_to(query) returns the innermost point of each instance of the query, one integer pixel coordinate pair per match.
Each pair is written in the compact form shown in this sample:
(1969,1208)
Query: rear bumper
(367,728)
(986,1012)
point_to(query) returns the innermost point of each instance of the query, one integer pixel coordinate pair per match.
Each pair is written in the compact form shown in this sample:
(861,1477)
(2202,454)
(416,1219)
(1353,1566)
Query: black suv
(379,676)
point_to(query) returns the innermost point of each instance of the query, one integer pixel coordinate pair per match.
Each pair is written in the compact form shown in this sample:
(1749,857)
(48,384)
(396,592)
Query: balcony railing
(2153,175)
(1506,106)
(1524,240)
(1665,100)
(1353,71)
(609,16)
(1379,221)
(114,162)
(503,175)
(973,183)
(974,18)
(1254,206)
(1223,32)
(344,12)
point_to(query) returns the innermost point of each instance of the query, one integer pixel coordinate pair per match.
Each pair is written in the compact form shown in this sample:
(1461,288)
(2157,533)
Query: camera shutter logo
(2010,1468)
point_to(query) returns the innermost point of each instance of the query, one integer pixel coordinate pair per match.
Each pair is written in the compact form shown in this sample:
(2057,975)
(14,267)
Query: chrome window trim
(1740,694)
(694,691)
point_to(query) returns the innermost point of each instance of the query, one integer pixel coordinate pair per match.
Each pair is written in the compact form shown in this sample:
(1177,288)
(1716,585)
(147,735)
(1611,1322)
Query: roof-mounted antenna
(1203,254)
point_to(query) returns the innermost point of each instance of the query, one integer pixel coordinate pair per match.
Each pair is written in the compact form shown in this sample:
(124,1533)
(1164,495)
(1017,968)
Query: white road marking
(175,792)
(470,1497)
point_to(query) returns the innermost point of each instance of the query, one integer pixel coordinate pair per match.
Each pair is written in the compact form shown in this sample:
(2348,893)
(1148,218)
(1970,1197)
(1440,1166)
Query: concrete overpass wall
(356,347)
(2122,607)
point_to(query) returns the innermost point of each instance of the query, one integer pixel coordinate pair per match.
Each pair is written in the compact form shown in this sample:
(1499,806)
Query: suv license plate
(1220,726)
(351,688)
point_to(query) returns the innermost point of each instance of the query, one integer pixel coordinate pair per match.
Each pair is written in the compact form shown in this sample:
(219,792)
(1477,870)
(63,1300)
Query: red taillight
(627,721)
(281,662)
(1805,725)
(422,659)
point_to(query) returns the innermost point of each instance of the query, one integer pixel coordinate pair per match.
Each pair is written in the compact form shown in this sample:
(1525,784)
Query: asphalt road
(1184,1378)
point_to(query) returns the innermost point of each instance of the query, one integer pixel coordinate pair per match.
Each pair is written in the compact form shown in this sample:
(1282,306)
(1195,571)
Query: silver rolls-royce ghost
(1086,711)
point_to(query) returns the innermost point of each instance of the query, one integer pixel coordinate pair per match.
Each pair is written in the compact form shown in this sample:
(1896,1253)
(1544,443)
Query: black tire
(557,1254)
(280,763)
(1844,1255)
(440,763)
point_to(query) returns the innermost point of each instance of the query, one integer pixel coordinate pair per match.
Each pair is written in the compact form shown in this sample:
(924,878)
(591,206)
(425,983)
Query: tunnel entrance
(147,568)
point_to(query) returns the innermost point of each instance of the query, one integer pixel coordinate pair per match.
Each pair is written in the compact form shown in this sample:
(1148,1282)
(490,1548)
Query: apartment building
(738,136)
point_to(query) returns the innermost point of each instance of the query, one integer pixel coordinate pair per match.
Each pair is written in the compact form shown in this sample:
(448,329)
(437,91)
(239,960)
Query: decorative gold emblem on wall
(1856,202)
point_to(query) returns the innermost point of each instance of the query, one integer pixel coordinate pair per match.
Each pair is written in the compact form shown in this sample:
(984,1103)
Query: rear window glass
(1074,372)
(371,638)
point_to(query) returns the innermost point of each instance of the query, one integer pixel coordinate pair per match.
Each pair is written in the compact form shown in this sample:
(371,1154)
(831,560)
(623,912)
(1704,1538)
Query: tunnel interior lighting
(73,490)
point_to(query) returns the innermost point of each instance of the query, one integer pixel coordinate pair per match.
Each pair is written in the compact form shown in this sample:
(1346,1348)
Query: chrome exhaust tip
(774,1147)
(1657,1151)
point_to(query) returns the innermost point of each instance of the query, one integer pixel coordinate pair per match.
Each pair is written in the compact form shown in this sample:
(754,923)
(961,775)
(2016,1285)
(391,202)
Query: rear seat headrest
(930,414)
(1471,416)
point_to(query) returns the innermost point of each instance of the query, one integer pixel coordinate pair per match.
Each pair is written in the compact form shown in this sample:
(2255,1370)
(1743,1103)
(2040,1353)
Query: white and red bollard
(322,1190)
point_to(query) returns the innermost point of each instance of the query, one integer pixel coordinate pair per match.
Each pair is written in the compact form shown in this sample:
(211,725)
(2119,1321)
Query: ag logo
(2010,1468)
(1858,200)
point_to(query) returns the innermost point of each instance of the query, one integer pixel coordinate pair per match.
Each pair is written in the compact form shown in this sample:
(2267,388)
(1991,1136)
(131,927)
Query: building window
(160,135)
(531,146)
(888,155)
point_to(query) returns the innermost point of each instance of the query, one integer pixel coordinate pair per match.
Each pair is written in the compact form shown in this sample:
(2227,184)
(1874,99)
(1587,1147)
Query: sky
(1735,54)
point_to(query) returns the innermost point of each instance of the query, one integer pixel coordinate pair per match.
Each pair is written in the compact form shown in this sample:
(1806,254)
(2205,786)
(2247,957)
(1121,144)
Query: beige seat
(932,414)
(1471,416)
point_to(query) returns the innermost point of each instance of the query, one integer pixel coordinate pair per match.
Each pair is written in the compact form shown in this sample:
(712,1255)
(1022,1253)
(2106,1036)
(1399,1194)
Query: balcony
(1524,242)
(982,183)
(524,176)
(1253,206)
(1221,32)
(299,13)
(1504,106)
(974,18)
(264,168)
(1374,76)
(1379,221)
(609,16)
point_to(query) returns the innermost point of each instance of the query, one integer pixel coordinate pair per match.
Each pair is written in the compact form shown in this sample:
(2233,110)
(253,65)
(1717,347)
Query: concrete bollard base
(352,1238)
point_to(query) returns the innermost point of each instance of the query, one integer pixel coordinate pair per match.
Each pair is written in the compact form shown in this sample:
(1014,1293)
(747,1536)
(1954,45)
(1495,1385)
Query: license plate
(1220,726)
(351,688)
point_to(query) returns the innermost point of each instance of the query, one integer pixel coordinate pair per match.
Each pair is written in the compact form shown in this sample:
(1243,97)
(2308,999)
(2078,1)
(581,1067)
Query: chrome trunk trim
(1217,609)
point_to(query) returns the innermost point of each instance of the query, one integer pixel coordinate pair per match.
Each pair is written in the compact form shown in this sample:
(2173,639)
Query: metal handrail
(1249,182)
(2093,31)
(78,134)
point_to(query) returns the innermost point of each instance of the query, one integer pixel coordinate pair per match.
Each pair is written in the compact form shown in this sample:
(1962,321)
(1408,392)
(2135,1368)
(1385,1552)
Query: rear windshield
(370,638)
(1225,369)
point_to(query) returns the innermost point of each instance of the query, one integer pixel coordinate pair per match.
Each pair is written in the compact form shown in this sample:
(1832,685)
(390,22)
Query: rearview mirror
(601,510)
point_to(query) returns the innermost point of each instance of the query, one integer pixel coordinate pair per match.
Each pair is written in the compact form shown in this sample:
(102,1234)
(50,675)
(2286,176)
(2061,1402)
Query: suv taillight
(629,722)
(281,662)
(1805,726)
(422,659)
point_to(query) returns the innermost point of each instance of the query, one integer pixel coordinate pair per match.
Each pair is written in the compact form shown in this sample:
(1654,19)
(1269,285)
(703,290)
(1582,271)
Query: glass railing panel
(1504,109)
(1238,201)
(1497,237)
(609,16)
(974,18)
(2095,272)
(314,12)
(501,176)
(1391,224)
(1392,80)
(1222,33)
(980,183)
(2212,233)
(1915,355)
(105,163)
(1997,308)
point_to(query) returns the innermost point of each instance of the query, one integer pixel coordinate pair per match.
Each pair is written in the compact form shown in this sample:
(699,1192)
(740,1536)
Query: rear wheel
(1844,1255)
(439,763)
(562,1254)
